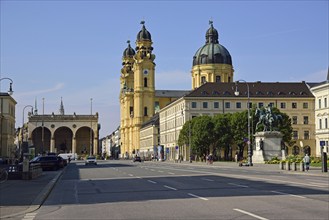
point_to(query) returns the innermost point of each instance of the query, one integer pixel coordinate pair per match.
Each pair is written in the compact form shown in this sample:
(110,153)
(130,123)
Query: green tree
(239,123)
(223,136)
(203,137)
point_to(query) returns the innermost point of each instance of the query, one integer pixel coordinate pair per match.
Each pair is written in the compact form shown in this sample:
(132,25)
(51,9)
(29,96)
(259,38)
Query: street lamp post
(237,93)
(91,114)
(22,133)
(10,92)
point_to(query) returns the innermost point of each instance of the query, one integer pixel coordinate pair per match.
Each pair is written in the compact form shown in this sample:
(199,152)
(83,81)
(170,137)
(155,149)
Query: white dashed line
(151,181)
(29,216)
(171,173)
(199,197)
(250,214)
(170,187)
(302,197)
(130,174)
(210,180)
(233,184)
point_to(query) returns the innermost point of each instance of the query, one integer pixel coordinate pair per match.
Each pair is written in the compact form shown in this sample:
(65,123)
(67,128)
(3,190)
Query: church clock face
(145,71)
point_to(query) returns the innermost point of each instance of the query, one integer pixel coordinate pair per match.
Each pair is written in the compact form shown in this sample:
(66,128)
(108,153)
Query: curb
(38,201)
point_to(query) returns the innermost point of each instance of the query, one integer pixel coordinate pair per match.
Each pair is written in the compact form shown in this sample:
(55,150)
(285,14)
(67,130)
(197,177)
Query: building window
(203,80)
(305,120)
(145,82)
(238,105)
(326,123)
(131,111)
(227,105)
(306,135)
(216,104)
(205,104)
(294,120)
(305,105)
(271,104)
(250,105)
(320,123)
(283,105)
(145,111)
(294,105)
(319,103)
(229,79)
(295,135)
(194,105)
(260,104)
(218,79)
(295,150)
(325,102)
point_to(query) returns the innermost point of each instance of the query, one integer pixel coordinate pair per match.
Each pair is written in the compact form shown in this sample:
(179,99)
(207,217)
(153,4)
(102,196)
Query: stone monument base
(268,146)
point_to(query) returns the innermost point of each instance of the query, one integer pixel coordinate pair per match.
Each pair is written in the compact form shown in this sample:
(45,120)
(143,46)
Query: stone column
(74,145)
(52,143)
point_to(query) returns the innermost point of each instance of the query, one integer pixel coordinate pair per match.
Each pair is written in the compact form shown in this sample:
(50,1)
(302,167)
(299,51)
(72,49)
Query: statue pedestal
(268,145)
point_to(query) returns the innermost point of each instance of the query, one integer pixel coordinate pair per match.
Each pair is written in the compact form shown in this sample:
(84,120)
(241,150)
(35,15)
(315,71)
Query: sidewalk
(314,171)
(18,197)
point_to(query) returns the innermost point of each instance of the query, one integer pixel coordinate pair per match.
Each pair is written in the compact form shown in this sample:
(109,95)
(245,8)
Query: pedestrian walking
(306,161)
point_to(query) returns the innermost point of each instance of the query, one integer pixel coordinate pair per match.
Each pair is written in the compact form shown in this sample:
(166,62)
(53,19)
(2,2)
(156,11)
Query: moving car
(91,160)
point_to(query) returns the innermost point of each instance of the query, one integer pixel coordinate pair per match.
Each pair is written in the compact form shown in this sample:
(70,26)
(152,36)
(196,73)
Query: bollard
(287,165)
(294,166)
(281,165)
(301,166)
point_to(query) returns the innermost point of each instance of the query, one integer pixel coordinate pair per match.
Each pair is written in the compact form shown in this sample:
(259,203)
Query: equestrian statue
(267,118)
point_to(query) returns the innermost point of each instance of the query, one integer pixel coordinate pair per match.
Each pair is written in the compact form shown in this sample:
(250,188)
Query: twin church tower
(211,63)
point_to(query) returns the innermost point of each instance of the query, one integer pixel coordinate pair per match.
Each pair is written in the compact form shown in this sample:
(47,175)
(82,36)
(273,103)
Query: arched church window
(218,79)
(145,111)
(203,80)
(145,82)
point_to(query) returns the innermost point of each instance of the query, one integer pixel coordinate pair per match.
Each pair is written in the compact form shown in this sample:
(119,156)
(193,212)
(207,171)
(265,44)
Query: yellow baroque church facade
(139,100)
(212,66)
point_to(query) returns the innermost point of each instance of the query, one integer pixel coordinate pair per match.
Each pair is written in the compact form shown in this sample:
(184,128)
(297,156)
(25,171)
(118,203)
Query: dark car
(48,162)
(62,161)
(137,158)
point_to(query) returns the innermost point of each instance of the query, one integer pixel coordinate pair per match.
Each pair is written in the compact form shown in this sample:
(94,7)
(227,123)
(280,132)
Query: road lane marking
(250,214)
(199,197)
(160,171)
(171,173)
(152,170)
(139,177)
(210,180)
(151,181)
(288,194)
(130,174)
(170,187)
(29,216)
(233,184)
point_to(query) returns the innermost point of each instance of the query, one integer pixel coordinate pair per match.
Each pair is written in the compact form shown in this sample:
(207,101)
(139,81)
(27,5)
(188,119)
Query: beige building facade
(321,93)
(7,125)
(218,98)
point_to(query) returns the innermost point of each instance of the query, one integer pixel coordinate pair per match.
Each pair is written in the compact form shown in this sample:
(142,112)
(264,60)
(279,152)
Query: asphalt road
(157,190)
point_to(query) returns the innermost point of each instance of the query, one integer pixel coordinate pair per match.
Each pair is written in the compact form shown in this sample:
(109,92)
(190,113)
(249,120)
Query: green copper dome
(129,51)
(212,52)
(143,34)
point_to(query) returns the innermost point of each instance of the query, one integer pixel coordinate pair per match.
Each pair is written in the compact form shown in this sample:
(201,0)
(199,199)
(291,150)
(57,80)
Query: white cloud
(57,87)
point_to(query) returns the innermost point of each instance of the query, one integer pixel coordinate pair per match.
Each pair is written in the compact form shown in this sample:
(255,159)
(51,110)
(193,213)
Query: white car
(91,160)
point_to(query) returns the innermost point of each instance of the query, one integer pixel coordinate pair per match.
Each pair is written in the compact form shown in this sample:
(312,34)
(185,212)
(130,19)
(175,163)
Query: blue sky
(73,49)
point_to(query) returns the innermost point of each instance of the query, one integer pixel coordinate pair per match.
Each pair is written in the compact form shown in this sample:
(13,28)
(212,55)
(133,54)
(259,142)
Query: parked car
(137,158)
(91,160)
(62,161)
(47,162)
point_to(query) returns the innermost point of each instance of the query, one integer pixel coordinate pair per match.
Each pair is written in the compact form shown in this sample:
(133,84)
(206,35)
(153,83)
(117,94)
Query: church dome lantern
(129,51)
(143,34)
(212,52)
